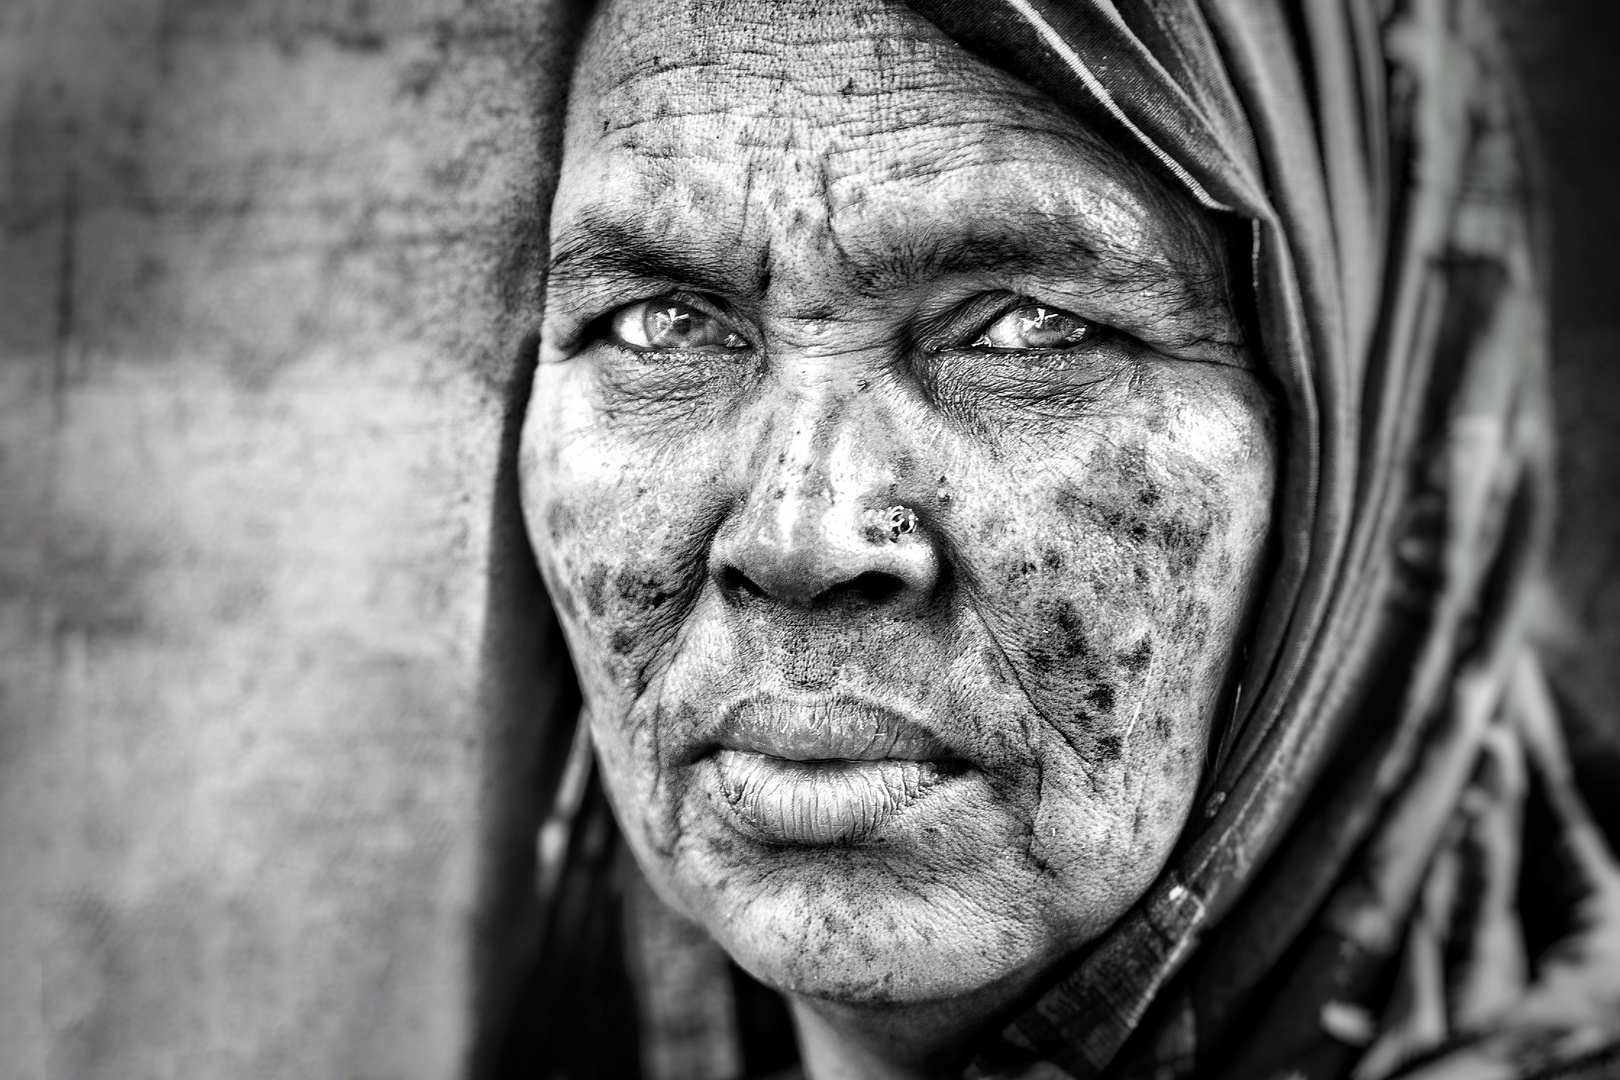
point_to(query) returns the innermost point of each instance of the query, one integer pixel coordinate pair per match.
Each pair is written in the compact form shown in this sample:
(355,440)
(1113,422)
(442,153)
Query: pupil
(1044,328)
(671,323)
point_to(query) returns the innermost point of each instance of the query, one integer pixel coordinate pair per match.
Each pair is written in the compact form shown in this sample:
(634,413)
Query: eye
(667,325)
(1036,328)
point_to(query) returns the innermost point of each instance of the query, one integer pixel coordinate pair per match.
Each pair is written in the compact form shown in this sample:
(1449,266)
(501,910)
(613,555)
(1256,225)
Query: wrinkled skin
(847,201)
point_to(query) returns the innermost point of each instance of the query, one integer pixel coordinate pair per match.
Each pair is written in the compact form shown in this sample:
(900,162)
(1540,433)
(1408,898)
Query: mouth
(826,771)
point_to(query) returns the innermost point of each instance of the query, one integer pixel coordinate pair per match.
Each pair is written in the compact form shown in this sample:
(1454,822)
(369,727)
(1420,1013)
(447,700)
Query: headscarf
(1390,870)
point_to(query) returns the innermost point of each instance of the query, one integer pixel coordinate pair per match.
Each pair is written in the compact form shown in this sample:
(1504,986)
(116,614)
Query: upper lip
(839,727)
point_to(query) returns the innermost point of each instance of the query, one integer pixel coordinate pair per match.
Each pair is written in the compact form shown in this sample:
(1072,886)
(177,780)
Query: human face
(813,263)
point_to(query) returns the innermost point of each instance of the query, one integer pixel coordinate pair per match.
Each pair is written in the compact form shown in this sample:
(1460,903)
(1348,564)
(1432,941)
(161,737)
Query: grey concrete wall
(260,303)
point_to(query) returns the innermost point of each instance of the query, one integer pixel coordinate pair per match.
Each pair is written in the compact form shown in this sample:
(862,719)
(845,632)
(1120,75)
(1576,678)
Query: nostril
(871,587)
(735,584)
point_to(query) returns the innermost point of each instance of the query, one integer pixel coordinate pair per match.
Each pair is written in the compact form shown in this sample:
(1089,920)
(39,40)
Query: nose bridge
(813,521)
(828,464)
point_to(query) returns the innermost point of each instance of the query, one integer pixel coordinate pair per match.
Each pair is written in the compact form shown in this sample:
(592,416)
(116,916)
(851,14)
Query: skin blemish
(1068,630)
(1139,657)
(1184,541)
(560,520)
(595,585)
(642,589)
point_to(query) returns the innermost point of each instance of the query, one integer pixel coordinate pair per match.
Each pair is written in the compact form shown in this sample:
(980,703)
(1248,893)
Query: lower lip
(820,802)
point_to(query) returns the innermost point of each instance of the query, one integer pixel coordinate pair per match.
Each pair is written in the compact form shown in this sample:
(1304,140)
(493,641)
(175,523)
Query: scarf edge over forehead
(1376,150)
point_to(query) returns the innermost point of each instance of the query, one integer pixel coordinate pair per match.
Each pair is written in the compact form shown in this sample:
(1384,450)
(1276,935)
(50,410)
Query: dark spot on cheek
(622,641)
(1110,747)
(643,590)
(1101,697)
(1065,637)
(1149,495)
(1052,559)
(560,520)
(595,585)
(1184,541)
(1137,659)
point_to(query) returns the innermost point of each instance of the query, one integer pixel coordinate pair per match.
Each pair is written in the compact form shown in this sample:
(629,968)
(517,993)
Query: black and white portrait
(809,540)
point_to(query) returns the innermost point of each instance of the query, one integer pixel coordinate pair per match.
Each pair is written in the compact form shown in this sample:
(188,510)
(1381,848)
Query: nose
(827,522)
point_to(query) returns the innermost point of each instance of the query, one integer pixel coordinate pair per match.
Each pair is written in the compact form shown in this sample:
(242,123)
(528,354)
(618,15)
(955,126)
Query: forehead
(786,75)
(825,121)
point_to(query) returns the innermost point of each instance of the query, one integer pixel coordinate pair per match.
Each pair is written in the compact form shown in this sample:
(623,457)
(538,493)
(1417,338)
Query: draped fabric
(1390,870)
(1346,899)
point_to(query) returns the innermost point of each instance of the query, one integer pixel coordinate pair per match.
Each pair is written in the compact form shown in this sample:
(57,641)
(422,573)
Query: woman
(1265,466)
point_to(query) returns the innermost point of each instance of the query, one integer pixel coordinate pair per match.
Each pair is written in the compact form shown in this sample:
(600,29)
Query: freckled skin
(1090,525)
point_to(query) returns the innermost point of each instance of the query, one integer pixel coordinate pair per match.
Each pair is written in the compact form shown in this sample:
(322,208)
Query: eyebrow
(976,246)
(621,246)
(607,246)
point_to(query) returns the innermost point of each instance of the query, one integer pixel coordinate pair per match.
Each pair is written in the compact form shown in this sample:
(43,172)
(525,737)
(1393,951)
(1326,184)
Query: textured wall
(258,262)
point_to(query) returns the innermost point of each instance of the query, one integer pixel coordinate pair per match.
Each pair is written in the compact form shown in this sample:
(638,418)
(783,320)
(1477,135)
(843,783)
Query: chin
(865,967)
(845,926)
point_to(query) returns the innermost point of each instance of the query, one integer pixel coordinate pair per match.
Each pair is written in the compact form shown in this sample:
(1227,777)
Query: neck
(891,1042)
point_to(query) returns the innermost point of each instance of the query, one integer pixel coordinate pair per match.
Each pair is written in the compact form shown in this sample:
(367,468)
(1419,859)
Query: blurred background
(268,737)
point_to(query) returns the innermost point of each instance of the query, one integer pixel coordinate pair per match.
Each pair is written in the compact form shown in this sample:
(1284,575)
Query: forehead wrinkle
(773,98)
(859,71)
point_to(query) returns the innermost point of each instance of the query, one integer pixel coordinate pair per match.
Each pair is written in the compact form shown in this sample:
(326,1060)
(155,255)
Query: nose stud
(901,520)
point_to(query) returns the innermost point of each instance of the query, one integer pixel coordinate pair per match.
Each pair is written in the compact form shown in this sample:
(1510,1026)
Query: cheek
(1118,588)
(618,528)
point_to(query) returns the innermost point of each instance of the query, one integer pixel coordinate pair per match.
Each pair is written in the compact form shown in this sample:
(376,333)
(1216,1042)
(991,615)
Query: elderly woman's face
(901,478)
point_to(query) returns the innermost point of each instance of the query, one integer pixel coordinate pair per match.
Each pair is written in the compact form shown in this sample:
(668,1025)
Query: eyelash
(601,329)
(981,313)
(976,340)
